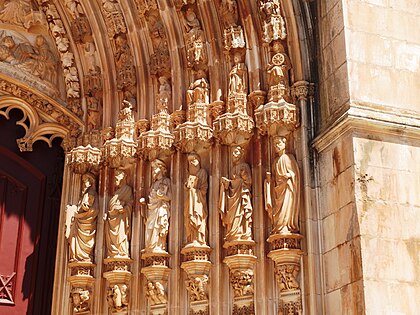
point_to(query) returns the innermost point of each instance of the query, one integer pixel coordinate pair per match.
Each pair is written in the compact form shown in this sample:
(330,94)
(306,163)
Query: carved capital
(276,118)
(84,159)
(301,90)
(233,128)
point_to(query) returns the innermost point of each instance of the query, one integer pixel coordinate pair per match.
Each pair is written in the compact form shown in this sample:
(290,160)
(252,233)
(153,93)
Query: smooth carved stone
(158,209)
(282,190)
(235,199)
(81,222)
(195,202)
(118,219)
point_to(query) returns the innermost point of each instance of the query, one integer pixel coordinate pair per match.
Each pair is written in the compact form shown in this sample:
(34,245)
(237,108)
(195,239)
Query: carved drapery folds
(156,216)
(81,226)
(196,251)
(117,229)
(236,209)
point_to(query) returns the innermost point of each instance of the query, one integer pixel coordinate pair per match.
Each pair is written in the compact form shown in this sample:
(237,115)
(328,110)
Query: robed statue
(118,218)
(195,205)
(235,199)
(81,222)
(282,195)
(158,209)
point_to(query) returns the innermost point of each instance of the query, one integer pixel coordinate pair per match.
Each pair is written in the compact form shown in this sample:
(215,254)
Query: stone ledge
(375,120)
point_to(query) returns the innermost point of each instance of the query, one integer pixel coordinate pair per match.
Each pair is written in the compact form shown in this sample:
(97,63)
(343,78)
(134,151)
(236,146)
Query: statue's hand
(142,201)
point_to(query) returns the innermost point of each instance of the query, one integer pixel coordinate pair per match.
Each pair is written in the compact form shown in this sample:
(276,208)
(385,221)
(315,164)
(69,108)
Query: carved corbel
(158,142)
(278,116)
(84,159)
(81,287)
(235,127)
(196,133)
(121,150)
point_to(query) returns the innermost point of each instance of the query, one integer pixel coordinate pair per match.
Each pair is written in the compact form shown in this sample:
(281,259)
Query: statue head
(40,41)
(193,160)
(158,169)
(237,58)
(120,178)
(88,180)
(237,154)
(8,42)
(279,144)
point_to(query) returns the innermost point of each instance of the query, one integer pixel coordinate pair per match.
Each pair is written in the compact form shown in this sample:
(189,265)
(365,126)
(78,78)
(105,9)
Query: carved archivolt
(36,127)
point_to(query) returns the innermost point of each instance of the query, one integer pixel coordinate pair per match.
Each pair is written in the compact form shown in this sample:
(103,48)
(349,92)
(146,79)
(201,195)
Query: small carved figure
(195,206)
(164,98)
(274,25)
(118,218)
(80,299)
(126,112)
(118,297)
(287,277)
(238,76)
(195,40)
(158,209)
(81,222)
(156,293)
(199,89)
(235,199)
(282,195)
(278,71)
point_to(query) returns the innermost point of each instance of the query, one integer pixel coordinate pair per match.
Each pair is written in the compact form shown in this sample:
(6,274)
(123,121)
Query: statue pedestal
(197,266)
(286,253)
(277,118)
(193,136)
(240,261)
(156,271)
(117,272)
(81,282)
(233,128)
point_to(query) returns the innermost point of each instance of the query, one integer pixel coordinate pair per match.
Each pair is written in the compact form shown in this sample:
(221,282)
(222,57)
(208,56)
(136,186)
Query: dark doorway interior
(30,193)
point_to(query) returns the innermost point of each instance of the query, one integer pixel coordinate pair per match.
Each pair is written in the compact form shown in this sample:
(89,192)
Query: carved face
(237,154)
(39,41)
(8,42)
(158,170)
(237,58)
(279,144)
(119,179)
(193,160)
(87,182)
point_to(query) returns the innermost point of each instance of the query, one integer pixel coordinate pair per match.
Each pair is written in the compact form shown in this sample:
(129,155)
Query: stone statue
(278,67)
(282,195)
(118,297)
(158,209)
(199,89)
(155,292)
(118,219)
(235,199)
(195,205)
(81,222)
(238,76)
(81,300)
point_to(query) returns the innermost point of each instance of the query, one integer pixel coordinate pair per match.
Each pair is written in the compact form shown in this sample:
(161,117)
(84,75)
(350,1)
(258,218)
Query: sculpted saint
(195,206)
(199,89)
(118,219)
(158,209)
(282,197)
(235,199)
(238,76)
(81,222)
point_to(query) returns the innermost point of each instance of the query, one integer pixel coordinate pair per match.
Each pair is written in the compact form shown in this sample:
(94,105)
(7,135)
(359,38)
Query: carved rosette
(81,286)
(156,271)
(118,275)
(277,118)
(197,266)
(120,151)
(286,253)
(157,142)
(241,260)
(84,159)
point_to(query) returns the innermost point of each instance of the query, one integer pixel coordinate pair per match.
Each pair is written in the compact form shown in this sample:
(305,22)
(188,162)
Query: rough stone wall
(369,174)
